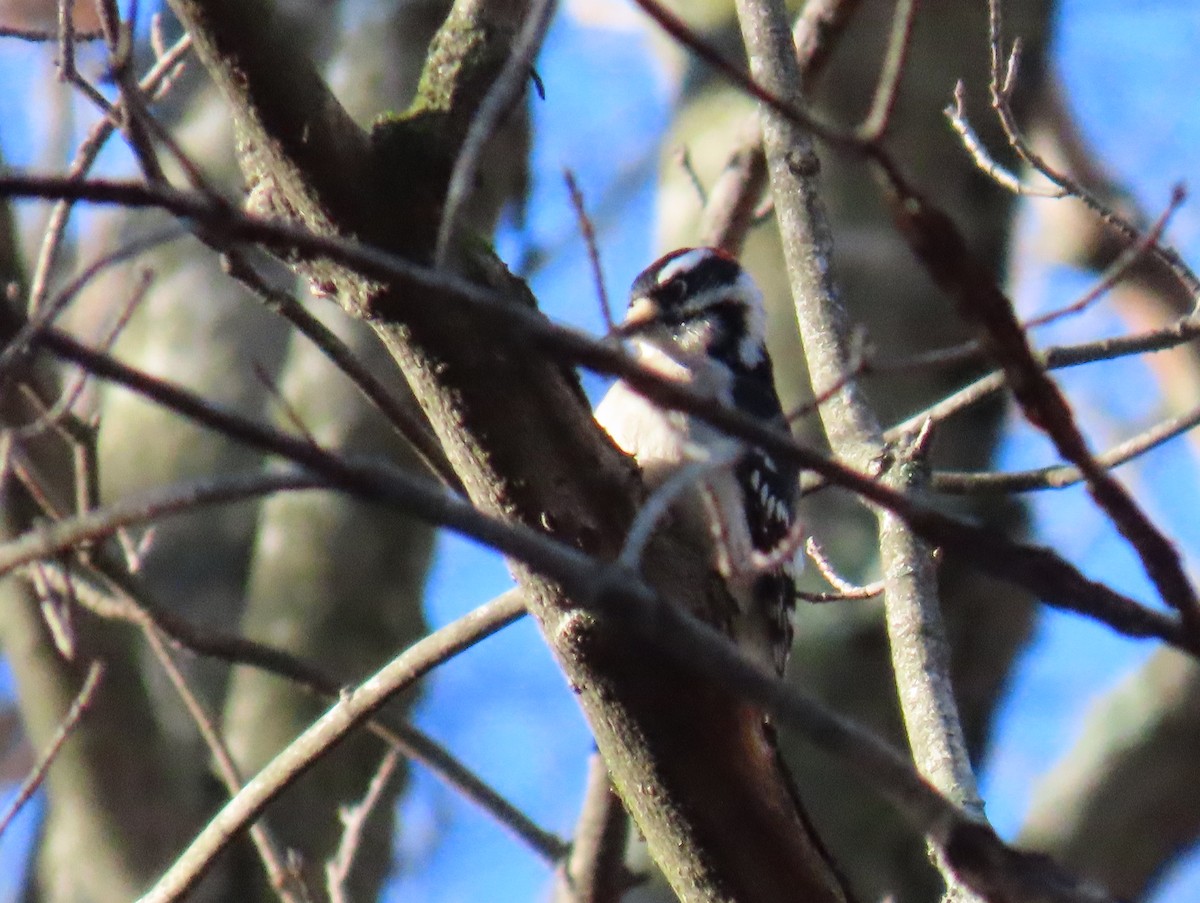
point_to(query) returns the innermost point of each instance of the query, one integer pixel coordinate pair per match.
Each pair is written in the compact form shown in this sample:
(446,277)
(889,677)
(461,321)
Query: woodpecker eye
(673,293)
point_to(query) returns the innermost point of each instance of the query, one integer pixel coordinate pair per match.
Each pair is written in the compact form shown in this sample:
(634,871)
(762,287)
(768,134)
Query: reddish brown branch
(980,302)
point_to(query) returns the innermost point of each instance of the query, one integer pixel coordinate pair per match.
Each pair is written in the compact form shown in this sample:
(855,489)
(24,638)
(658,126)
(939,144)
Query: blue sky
(503,706)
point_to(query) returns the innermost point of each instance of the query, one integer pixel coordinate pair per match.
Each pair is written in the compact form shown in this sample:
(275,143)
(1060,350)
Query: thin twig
(78,708)
(95,525)
(57,608)
(156,82)
(956,113)
(845,589)
(135,120)
(874,127)
(679,31)
(1173,335)
(1056,581)
(55,415)
(409,423)
(121,599)
(286,882)
(1002,85)
(981,303)
(66,38)
(684,159)
(594,872)
(352,709)
(687,478)
(1062,476)
(1120,267)
(504,93)
(729,211)
(42,36)
(858,362)
(50,311)
(589,239)
(354,820)
(973,850)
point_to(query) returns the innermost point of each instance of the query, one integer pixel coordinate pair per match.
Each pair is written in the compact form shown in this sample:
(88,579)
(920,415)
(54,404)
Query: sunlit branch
(919,650)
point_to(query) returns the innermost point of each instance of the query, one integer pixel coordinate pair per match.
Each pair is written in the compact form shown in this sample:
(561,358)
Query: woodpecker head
(698,301)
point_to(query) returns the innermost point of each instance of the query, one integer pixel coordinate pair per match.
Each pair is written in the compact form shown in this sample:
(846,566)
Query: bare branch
(688,478)
(589,239)
(919,653)
(1121,267)
(683,158)
(288,884)
(594,872)
(1039,569)
(51,310)
(352,709)
(408,422)
(816,33)
(123,600)
(981,303)
(732,206)
(1003,83)
(503,94)
(1062,476)
(1181,331)
(95,525)
(874,127)
(956,113)
(845,589)
(156,83)
(39,36)
(78,708)
(972,849)
(354,818)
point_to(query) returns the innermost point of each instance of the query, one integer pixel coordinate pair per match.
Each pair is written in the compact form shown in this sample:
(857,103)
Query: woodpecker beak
(642,312)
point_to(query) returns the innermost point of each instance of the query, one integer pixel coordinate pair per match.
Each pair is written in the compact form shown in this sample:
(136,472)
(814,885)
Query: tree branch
(919,648)
(1036,568)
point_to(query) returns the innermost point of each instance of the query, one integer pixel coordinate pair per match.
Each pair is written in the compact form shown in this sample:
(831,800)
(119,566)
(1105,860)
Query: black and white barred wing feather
(695,316)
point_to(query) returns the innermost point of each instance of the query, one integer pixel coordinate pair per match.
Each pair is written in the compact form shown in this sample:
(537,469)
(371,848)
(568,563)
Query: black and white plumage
(697,317)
